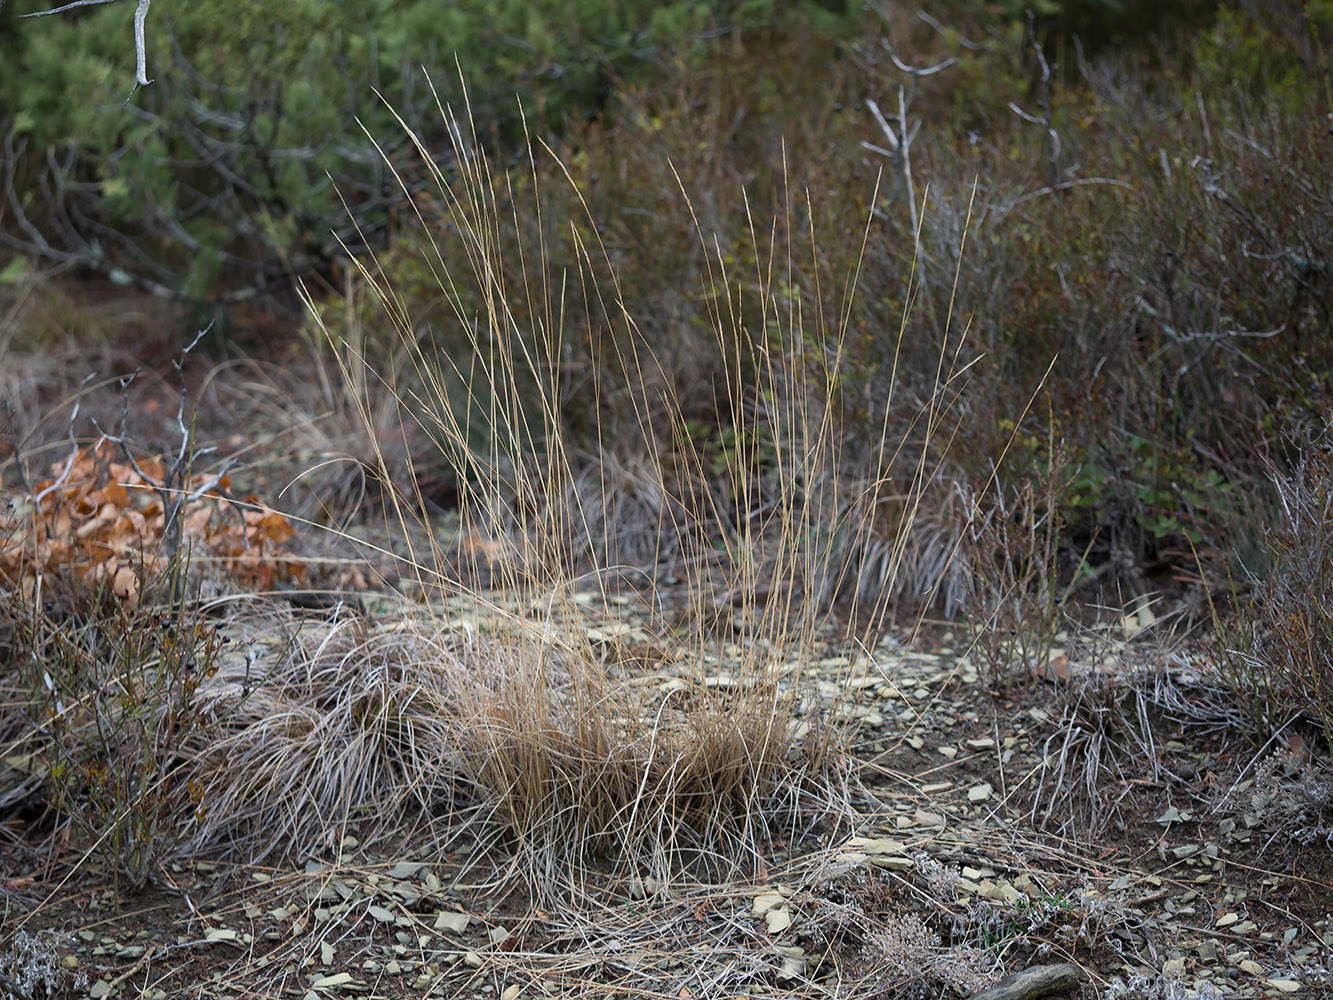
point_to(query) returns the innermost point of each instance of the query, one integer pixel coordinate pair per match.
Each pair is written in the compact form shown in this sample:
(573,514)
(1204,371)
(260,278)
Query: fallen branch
(1038,981)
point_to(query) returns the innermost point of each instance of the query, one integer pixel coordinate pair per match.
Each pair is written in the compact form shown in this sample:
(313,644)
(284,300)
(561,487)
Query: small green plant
(116,690)
(1012,544)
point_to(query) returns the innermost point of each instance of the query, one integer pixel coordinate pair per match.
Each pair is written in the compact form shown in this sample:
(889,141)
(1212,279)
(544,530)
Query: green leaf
(15,271)
(115,187)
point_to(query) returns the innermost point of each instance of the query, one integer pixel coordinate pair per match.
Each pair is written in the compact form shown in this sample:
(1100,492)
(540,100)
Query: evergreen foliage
(229,173)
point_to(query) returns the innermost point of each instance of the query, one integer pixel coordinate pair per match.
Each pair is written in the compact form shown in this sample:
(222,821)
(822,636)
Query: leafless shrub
(1277,653)
(912,955)
(1291,790)
(1158,987)
(31,967)
(941,880)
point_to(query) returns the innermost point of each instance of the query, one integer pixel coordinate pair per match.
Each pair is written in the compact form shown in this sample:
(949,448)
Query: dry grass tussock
(526,713)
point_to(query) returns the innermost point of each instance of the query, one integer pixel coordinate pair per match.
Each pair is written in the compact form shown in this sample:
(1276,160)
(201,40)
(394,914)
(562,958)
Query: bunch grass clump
(734,548)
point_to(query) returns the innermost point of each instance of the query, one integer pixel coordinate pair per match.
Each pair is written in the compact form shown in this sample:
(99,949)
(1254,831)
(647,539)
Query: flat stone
(328,982)
(454,923)
(876,845)
(778,919)
(766,901)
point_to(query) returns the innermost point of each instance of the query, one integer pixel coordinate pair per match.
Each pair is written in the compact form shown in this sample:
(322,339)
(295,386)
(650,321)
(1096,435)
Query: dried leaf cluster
(104,520)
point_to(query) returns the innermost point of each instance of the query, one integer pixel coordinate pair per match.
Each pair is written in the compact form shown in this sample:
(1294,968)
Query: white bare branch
(964,42)
(884,126)
(68,6)
(917,70)
(1025,116)
(140,49)
(140,18)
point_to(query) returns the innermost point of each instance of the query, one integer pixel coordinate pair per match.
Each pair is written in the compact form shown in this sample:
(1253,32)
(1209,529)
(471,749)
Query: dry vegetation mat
(610,699)
(944,869)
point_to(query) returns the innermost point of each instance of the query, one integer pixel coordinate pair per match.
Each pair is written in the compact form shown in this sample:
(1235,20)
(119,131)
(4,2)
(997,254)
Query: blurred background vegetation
(1136,193)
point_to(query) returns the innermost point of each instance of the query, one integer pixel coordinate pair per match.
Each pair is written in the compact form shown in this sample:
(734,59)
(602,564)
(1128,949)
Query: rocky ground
(1093,817)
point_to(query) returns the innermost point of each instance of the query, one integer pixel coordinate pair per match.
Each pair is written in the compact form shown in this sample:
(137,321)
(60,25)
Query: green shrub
(229,173)
(1278,50)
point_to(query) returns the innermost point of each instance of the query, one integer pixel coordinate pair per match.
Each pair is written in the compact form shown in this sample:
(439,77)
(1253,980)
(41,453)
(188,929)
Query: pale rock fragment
(893,863)
(924,818)
(454,923)
(766,901)
(328,982)
(793,963)
(778,919)
(876,845)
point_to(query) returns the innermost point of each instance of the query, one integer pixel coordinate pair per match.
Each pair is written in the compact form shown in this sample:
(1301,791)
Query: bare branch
(1064,186)
(884,126)
(1024,115)
(900,143)
(59,481)
(140,50)
(140,46)
(174,491)
(964,42)
(917,71)
(68,6)
(1046,120)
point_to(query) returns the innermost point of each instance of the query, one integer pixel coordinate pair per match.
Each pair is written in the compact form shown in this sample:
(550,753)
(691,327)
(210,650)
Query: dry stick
(140,15)
(900,147)
(59,481)
(174,491)
(957,36)
(900,141)
(1040,980)
(148,953)
(1052,136)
